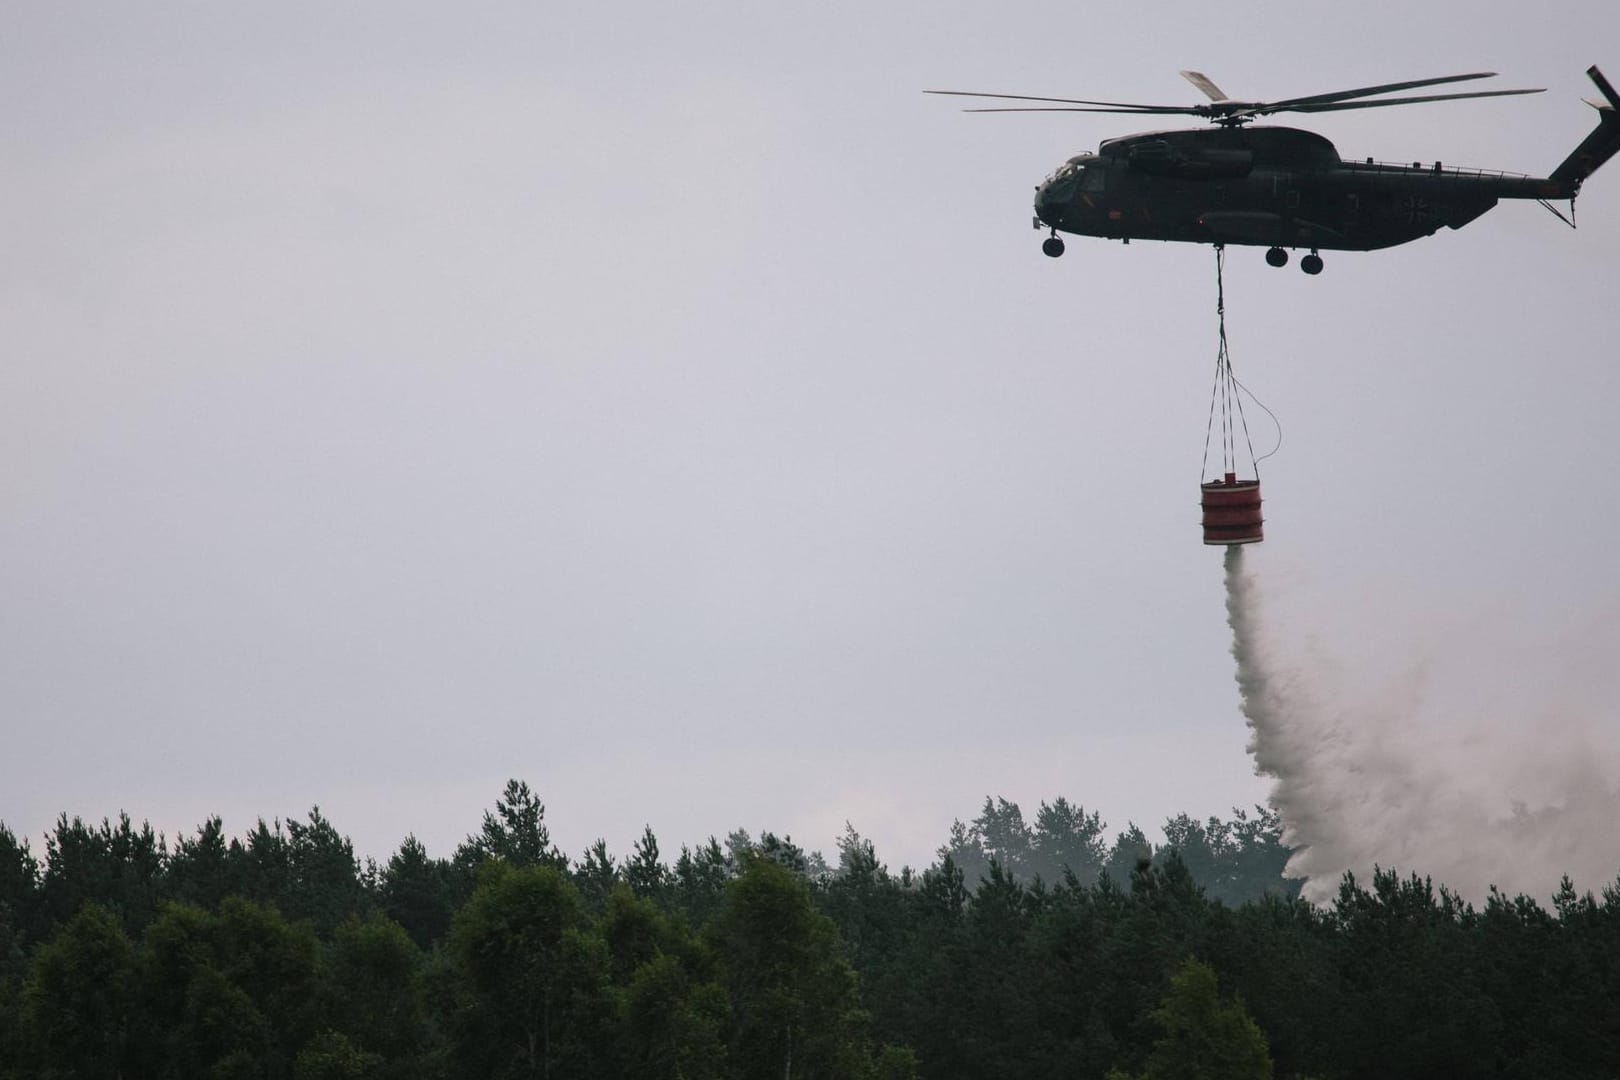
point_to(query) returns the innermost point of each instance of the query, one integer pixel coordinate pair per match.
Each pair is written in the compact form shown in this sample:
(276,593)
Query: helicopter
(1283,188)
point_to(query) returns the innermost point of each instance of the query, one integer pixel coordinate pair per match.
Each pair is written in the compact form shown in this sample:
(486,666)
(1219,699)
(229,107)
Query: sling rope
(1226,395)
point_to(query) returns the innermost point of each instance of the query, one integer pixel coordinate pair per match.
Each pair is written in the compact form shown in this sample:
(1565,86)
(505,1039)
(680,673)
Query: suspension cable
(1226,391)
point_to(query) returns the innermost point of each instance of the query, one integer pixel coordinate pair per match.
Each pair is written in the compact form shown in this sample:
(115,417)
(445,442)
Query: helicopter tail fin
(1599,146)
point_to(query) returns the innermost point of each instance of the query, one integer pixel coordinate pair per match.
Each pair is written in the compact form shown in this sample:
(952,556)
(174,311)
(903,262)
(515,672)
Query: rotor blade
(1368,91)
(1202,81)
(1156,110)
(1059,100)
(1335,106)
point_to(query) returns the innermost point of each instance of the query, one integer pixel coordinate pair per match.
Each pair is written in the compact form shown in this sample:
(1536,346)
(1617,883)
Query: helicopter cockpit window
(1083,171)
(1060,185)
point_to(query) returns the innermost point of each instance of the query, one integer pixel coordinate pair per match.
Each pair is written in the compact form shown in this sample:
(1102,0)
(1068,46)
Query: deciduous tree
(533,978)
(1205,1037)
(78,1005)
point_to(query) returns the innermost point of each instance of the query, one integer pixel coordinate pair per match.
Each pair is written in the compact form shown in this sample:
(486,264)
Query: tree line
(1027,949)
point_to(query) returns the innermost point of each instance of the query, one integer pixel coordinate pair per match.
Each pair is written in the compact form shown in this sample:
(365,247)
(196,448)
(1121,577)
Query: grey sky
(669,405)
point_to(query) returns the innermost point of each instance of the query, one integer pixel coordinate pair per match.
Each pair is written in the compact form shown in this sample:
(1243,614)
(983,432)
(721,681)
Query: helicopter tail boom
(1599,146)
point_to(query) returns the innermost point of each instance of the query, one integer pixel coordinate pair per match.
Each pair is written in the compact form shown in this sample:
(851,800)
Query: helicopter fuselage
(1269,186)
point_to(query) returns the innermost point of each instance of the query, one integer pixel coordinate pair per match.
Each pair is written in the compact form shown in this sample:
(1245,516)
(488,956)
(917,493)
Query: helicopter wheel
(1311,264)
(1277,256)
(1053,246)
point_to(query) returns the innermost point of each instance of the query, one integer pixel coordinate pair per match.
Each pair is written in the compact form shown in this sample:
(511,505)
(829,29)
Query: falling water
(1464,754)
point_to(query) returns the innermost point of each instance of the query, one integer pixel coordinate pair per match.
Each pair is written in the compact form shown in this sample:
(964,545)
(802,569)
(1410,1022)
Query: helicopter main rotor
(1231,113)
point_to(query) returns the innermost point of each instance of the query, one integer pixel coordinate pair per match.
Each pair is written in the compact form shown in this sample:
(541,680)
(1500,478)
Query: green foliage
(373,995)
(795,1009)
(674,1026)
(221,989)
(19,897)
(532,977)
(645,875)
(331,1056)
(1067,841)
(699,881)
(1277,954)
(1004,837)
(1398,947)
(416,892)
(895,1063)
(636,932)
(868,906)
(118,867)
(262,864)
(1131,849)
(79,1000)
(200,871)
(515,832)
(324,880)
(1234,861)
(596,875)
(281,959)
(1205,1037)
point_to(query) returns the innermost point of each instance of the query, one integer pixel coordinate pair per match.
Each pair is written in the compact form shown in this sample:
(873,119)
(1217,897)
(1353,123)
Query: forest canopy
(1030,947)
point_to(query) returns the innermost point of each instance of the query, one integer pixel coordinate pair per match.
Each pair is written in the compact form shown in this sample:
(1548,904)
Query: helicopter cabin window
(1093,178)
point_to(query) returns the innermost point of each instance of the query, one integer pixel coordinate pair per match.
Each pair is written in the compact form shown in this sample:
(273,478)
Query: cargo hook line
(1224,391)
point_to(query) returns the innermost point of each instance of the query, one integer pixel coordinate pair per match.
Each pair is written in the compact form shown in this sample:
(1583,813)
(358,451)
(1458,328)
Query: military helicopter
(1280,187)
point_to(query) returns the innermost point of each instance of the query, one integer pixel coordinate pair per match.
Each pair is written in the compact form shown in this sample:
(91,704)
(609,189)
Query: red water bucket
(1232,511)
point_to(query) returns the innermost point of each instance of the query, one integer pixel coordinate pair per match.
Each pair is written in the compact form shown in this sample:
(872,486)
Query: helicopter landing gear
(1311,264)
(1276,256)
(1053,245)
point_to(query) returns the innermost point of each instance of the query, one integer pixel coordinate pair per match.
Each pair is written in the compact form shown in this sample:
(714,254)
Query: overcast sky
(669,405)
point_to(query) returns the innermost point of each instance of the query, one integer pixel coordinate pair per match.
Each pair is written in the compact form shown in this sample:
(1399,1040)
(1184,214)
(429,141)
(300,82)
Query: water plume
(1473,751)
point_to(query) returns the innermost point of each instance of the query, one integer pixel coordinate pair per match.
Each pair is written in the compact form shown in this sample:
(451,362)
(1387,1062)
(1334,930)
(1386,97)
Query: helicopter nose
(1054,194)
(1047,209)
